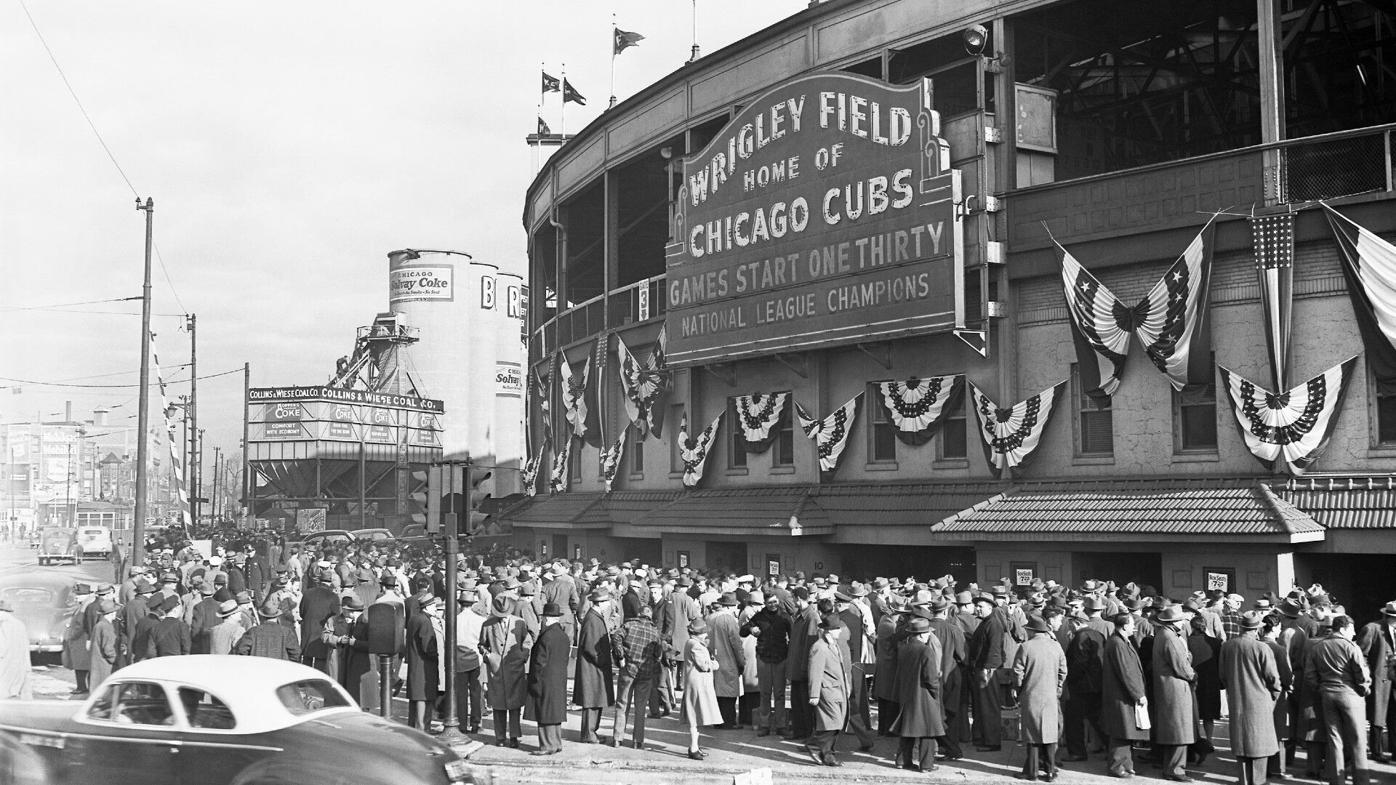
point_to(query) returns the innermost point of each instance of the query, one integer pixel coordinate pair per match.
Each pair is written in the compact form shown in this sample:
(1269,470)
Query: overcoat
(830,675)
(319,605)
(1122,685)
(681,610)
(1281,713)
(355,660)
(1175,718)
(885,669)
(103,652)
(504,646)
(423,658)
(76,640)
(953,651)
(547,676)
(725,643)
(1039,670)
(1377,643)
(918,689)
(1252,681)
(699,697)
(594,684)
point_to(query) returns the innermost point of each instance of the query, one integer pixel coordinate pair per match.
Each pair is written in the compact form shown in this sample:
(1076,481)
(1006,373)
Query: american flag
(1272,237)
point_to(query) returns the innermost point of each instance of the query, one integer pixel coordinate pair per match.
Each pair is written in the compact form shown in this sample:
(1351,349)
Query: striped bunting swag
(1170,321)
(918,407)
(1369,265)
(529,473)
(1293,427)
(694,452)
(831,433)
(757,415)
(561,478)
(574,395)
(1011,435)
(610,458)
(642,383)
(176,460)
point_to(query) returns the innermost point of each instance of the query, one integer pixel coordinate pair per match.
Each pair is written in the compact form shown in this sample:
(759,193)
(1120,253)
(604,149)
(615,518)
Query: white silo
(509,382)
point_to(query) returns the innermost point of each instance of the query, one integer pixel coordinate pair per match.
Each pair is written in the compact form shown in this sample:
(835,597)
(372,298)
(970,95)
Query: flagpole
(613,61)
(562,117)
(694,56)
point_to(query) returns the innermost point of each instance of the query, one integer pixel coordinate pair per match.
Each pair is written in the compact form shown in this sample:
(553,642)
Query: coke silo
(510,353)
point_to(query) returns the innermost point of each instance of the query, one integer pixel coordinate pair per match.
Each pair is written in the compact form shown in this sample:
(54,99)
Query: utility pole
(199,457)
(143,415)
(246,486)
(217,474)
(68,496)
(191,413)
(457,471)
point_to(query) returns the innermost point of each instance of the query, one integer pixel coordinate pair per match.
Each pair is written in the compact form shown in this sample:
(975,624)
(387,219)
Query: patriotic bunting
(642,383)
(176,460)
(831,433)
(1272,237)
(757,415)
(1170,321)
(610,458)
(531,466)
(561,478)
(595,427)
(574,389)
(918,407)
(1293,427)
(1369,265)
(694,452)
(1011,435)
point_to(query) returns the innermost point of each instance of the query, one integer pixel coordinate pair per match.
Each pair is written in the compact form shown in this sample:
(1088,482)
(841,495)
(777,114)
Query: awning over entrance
(754,512)
(559,511)
(1240,510)
(1345,501)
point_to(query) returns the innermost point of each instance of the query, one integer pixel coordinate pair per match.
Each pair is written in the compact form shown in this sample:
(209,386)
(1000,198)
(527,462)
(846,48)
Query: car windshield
(309,696)
(27,595)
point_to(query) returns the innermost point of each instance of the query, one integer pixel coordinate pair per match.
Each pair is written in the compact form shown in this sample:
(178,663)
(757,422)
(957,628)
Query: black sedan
(217,720)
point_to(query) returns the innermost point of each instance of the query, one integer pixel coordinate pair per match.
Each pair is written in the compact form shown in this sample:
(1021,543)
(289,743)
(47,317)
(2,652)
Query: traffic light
(447,489)
(481,490)
(418,497)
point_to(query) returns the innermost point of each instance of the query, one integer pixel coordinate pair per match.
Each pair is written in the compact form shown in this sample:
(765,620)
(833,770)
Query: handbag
(1141,715)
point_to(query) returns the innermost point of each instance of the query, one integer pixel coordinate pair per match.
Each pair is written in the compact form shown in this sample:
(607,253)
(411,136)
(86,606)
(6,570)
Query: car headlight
(458,771)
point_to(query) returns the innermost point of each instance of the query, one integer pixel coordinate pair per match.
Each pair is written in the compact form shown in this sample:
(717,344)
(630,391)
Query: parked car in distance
(327,537)
(218,720)
(42,599)
(58,543)
(94,541)
(373,535)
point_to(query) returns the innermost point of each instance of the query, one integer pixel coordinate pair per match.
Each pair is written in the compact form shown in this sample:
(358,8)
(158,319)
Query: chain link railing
(1336,165)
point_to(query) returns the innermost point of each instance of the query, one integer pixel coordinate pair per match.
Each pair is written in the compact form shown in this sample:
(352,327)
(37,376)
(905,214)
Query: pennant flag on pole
(551,84)
(757,415)
(694,452)
(574,397)
(1011,435)
(1369,265)
(830,434)
(530,470)
(624,40)
(1293,427)
(1272,236)
(561,477)
(918,407)
(596,436)
(569,93)
(176,459)
(610,458)
(1170,321)
(543,129)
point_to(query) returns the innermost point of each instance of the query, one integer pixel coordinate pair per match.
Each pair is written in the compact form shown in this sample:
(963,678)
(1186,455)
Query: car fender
(288,769)
(21,764)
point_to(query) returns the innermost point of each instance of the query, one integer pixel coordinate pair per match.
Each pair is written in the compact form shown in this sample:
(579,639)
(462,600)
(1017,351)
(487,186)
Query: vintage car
(58,543)
(42,599)
(94,541)
(218,720)
(380,536)
(327,537)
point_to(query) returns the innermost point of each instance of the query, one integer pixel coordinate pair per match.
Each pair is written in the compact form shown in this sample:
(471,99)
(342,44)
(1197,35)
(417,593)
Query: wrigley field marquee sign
(823,214)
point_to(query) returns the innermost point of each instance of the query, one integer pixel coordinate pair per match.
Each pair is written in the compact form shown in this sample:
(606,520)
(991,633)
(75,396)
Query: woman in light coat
(699,696)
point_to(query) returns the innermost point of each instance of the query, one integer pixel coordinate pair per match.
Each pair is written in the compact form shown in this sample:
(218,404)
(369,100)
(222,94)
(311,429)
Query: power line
(66,305)
(78,101)
(113,386)
(160,258)
(102,313)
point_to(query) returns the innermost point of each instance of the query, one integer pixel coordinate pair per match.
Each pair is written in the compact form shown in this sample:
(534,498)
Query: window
(1094,421)
(574,461)
(674,420)
(205,711)
(637,453)
(311,695)
(954,434)
(133,703)
(883,432)
(1195,418)
(785,435)
(1386,417)
(736,438)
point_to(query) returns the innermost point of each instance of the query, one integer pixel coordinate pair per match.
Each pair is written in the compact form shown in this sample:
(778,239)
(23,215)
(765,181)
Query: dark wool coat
(204,619)
(1039,670)
(354,659)
(885,671)
(103,652)
(319,605)
(422,659)
(547,676)
(1252,681)
(1175,715)
(918,689)
(953,651)
(1376,642)
(804,631)
(1281,654)
(1122,685)
(594,684)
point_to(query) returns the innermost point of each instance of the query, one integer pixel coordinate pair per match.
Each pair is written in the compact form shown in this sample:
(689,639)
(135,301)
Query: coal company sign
(825,213)
(277,394)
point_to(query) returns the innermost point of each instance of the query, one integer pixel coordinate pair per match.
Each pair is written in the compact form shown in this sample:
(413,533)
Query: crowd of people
(1065,671)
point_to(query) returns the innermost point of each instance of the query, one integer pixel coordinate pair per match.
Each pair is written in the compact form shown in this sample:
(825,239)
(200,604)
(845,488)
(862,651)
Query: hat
(1037,624)
(1252,620)
(144,586)
(841,597)
(106,605)
(269,611)
(939,603)
(244,598)
(1389,609)
(169,577)
(1000,590)
(728,598)
(1090,586)
(1132,603)
(227,608)
(82,588)
(756,598)
(351,602)
(858,590)
(552,609)
(1092,603)
(502,606)
(599,594)
(684,581)
(214,561)
(105,589)
(1171,614)
(918,625)
(388,579)
(964,598)
(697,627)
(168,603)
(426,600)
(985,596)
(878,584)
(831,622)
(207,589)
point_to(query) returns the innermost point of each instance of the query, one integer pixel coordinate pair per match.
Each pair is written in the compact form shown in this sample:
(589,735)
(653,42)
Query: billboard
(825,213)
(279,414)
(421,282)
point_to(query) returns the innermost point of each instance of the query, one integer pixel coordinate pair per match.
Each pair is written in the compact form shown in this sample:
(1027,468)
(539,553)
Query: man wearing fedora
(1039,671)
(270,638)
(547,680)
(503,646)
(593,686)
(1378,644)
(228,631)
(1175,721)
(318,605)
(920,716)
(725,643)
(1085,655)
(1123,696)
(830,674)
(103,640)
(986,655)
(1252,682)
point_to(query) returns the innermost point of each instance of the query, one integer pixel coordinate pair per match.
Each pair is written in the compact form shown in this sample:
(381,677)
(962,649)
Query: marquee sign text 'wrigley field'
(823,214)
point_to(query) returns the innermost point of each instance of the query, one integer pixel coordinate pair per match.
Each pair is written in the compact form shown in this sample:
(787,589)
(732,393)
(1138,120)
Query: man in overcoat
(1252,681)
(804,631)
(103,649)
(1175,720)
(423,663)
(1085,653)
(317,606)
(1122,696)
(954,649)
(1039,670)
(921,718)
(547,680)
(1378,643)
(725,643)
(986,649)
(594,686)
(504,640)
(830,674)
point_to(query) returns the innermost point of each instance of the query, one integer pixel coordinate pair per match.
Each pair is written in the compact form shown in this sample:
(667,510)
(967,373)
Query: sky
(288,147)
